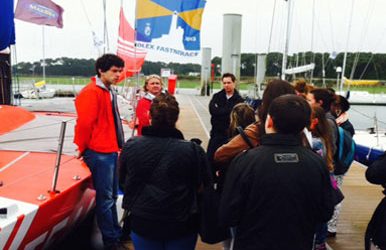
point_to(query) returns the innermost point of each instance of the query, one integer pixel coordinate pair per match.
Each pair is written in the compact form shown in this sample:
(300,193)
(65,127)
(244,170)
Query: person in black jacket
(220,107)
(376,230)
(161,174)
(339,108)
(277,193)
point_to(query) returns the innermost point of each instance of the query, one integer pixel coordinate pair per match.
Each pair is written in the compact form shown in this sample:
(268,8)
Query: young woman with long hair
(322,144)
(241,115)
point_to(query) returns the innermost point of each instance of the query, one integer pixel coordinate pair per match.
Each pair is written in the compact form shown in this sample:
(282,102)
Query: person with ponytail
(321,136)
(322,145)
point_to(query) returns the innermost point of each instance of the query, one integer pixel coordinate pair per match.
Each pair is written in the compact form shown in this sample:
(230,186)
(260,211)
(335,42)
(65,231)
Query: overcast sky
(331,19)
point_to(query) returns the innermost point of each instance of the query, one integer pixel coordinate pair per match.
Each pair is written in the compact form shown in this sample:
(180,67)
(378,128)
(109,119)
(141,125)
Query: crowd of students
(275,169)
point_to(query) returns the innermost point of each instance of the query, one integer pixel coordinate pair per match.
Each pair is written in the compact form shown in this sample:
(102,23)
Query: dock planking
(361,199)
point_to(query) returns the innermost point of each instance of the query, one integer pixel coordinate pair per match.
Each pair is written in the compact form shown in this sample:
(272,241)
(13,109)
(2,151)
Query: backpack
(345,151)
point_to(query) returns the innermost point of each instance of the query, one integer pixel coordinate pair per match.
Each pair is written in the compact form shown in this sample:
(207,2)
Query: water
(362,117)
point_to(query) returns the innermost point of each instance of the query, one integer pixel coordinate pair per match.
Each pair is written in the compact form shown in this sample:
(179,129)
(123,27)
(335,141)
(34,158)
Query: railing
(58,157)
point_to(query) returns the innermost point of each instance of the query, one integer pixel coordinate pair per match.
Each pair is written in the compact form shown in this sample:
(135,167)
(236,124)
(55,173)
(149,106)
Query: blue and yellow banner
(157,19)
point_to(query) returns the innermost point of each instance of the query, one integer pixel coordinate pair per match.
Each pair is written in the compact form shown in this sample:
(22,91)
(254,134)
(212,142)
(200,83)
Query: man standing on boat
(220,108)
(99,137)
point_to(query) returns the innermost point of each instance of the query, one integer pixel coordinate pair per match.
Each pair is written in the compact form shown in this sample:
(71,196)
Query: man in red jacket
(99,137)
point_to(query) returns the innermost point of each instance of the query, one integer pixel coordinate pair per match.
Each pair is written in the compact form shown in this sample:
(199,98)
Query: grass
(371,90)
(65,80)
(182,83)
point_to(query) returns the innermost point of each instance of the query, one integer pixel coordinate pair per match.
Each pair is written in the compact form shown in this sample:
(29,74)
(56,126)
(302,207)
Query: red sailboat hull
(32,216)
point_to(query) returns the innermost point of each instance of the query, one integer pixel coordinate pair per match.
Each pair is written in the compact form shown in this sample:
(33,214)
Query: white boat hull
(36,94)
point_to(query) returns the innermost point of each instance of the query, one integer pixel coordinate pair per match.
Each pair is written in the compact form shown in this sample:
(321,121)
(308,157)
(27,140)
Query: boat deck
(361,197)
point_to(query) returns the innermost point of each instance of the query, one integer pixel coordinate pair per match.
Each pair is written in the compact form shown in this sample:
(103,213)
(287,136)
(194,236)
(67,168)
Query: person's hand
(131,124)
(78,154)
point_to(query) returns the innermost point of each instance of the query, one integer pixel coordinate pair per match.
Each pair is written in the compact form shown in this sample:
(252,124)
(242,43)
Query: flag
(133,57)
(157,19)
(98,43)
(7,25)
(43,12)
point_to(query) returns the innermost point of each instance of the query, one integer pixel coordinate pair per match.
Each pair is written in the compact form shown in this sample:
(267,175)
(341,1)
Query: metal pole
(337,81)
(135,101)
(44,56)
(105,34)
(345,52)
(376,127)
(323,72)
(231,44)
(312,39)
(58,156)
(270,33)
(286,45)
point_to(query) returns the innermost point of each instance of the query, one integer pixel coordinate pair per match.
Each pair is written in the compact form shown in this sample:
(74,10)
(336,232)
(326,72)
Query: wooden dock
(361,197)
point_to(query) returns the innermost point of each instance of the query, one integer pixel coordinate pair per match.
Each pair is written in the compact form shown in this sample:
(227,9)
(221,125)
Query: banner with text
(43,12)
(170,26)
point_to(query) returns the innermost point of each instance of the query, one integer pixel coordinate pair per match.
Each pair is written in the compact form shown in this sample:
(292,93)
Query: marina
(361,198)
(47,196)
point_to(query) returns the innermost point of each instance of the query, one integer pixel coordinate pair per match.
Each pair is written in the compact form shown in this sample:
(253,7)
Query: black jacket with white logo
(276,194)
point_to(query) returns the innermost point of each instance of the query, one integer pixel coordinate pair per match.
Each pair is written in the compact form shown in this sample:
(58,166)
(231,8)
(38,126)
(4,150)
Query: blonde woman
(153,87)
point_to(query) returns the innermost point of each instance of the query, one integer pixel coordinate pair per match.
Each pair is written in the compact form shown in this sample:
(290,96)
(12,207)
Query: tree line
(367,65)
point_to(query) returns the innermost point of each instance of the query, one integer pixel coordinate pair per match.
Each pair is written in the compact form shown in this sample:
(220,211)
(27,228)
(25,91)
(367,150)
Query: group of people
(316,135)
(274,171)
(160,173)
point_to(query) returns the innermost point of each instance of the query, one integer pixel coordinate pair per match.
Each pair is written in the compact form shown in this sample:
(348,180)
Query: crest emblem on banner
(158,19)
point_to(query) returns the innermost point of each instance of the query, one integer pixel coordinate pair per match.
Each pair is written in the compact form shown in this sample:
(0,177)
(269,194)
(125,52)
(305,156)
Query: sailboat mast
(312,39)
(323,72)
(345,52)
(286,45)
(44,55)
(135,42)
(105,33)
(137,75)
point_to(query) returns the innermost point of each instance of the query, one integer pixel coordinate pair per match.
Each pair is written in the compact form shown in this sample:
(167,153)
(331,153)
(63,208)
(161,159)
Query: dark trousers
(215,142)
(376,230)
(185,243)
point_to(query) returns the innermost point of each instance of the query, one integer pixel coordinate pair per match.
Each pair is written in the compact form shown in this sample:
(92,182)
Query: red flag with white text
(44,12)
(133,57)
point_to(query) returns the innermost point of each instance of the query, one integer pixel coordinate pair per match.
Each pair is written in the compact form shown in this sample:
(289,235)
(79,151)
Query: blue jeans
(185,243)
(104,175)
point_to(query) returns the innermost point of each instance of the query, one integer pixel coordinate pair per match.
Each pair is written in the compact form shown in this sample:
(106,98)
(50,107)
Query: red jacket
(95,128)
(143,114)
